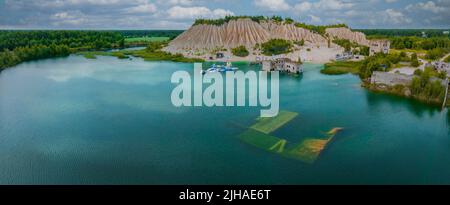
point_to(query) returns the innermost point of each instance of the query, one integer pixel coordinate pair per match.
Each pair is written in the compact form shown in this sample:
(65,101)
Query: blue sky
(179,14)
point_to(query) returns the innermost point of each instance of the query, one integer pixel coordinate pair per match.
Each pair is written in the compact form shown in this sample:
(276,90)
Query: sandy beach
(318,54)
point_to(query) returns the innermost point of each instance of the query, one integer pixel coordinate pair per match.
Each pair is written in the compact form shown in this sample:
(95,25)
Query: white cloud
(315,19)
(303,6)
(177,2)
(395,17)
(322,5)
(273,5)
(178,12)
(144,8)
(47,4)
(333,5)
(98,2)
(74,18)
(427,6)
(220,13)
(356,14)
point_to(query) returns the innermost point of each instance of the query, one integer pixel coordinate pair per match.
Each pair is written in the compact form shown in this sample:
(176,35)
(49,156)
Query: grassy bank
(153,52)
(341,67)
(148,56)
(146,39)
(94,54)
(163,56)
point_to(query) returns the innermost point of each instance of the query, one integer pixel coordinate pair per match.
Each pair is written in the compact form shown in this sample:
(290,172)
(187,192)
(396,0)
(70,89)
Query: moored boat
(220,68)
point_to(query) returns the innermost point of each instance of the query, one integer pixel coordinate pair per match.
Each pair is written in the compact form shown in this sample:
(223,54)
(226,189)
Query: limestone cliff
(345,33)
(241,32)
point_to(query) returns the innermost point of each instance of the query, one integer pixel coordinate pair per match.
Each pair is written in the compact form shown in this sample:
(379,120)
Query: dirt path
(443,58)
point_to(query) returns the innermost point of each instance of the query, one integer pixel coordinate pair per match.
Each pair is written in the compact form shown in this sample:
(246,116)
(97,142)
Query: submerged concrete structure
(282,65)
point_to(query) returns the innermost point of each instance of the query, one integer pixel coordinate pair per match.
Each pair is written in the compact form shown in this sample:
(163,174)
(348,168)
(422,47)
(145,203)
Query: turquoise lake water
(110,121)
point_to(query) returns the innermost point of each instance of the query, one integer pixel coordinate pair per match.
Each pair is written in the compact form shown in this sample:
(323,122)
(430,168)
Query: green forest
(73,39)
(435,42)
(386,33)
(171,34)
(21,46)
(419,43)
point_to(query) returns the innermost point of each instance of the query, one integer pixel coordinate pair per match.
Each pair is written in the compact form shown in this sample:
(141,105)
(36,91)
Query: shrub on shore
(423,87)
(300,43)
(436,53)
(276,47)
(240,51)
(378,62)
(414,60)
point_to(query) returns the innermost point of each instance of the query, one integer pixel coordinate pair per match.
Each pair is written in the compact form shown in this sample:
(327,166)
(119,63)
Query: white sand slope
(240,32)
(345,33)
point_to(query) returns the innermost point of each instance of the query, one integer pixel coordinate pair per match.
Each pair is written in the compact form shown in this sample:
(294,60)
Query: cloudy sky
(179,14)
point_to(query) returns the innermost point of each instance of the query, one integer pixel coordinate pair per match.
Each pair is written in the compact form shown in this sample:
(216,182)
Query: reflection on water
(123,72)
(378,100)
(448,121)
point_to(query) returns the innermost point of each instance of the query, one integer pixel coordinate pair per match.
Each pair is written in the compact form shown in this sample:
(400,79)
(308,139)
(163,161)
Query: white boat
(220,68)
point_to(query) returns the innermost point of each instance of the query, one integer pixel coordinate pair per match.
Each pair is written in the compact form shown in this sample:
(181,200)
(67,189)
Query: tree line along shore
(21,46)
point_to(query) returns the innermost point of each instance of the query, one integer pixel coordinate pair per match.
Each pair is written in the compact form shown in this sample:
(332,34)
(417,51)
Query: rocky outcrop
(390,79)
(346,33)
(292,32)
(240,32)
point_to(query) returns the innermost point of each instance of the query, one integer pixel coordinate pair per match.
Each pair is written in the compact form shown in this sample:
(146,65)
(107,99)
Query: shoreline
(316,54)
(389,90)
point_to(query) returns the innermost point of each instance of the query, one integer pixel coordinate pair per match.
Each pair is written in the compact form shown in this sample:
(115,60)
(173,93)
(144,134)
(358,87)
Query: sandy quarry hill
(203,40)
(241,32)
(346,33)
